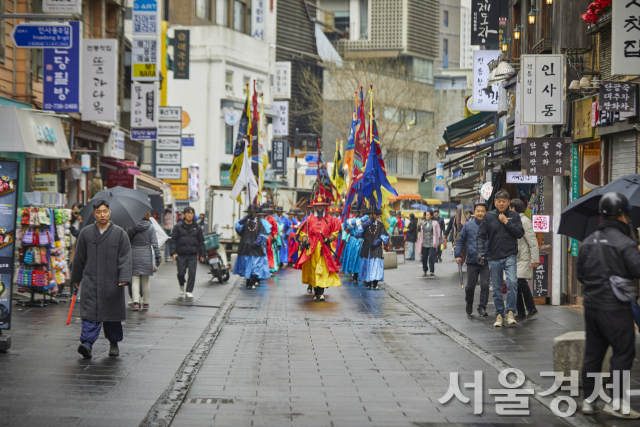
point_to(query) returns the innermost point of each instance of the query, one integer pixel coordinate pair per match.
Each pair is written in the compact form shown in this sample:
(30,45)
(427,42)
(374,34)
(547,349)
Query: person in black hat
(251,262)
(284,224)
(272,236)
(373,236)
(608,257)
(351,257)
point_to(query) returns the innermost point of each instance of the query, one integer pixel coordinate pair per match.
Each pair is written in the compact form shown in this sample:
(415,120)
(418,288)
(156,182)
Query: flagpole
(248,92)
(260,170)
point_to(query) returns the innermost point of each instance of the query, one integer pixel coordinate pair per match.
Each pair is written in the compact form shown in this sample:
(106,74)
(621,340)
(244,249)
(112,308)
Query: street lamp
(549,2)
(505,44)
(516,32)
(532,15)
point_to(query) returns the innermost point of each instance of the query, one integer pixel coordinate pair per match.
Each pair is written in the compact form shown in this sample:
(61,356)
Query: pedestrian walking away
(412,236)
(528,259)
(476,272)
(319,269)
(437,217)
(252,262)
(372,260)
(102,267)
(167,225)
(606,258)
(428,242)
(143,240)
(500,230)
(187,245)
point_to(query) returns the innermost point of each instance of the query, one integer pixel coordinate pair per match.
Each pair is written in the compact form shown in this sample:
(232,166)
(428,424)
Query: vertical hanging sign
(483,101)
(169,154)
(485,23)
(61,75)
(144,111)
(543,90)
(181,54)
(146,18)
(575,188)
(9,171)
(282,81)
(258,19)
(625,38)
(99,82)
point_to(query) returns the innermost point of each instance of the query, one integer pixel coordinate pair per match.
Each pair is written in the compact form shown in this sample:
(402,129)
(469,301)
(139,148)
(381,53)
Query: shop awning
(404,197)
(479,147)
(36,135)
(151,183)
(275,184)
(471,128)
(132,170)
(429,201)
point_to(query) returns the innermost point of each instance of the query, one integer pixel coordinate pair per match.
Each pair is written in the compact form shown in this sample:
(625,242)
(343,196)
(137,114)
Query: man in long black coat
(102,266)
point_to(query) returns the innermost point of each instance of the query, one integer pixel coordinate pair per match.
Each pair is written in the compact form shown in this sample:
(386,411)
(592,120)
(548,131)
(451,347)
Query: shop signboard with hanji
(99,79)
(258,19)
(282,81)
(546,156)
(483,101)
(181,54)
(281,123)
(625,38)
(541,223)
(485,22)
(279,156)
(168,157)
(120,178)
(145,16)
(61,75)
(542,94)
(145,59)
(618,96)
(144,111)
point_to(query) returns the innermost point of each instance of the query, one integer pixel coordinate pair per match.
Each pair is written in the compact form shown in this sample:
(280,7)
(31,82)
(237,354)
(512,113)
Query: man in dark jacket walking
(468,236)
(501,229)
(608,321)
(187,244)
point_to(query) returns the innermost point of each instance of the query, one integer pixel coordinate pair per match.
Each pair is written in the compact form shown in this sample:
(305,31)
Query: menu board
(9,172)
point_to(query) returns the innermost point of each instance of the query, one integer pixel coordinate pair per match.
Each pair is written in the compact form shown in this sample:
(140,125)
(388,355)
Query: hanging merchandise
(43,252)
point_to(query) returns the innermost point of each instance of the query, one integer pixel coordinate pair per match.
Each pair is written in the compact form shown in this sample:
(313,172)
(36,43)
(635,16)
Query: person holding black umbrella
(102,267)
(607,259)
(187,244)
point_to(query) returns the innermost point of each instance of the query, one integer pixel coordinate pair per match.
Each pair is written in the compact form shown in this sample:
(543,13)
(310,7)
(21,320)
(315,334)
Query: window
(445,20)
(3,42)
(341,21)
(228,81)
(410,118)
(222,12)
(423,70)
(392,114)
(423,161)
(238,16)
(259,85)
(407,163)
(202,9)
(391,162)
(364,19)
(228,139)
(246,81)
(424,118)
(445,53)
(36,64)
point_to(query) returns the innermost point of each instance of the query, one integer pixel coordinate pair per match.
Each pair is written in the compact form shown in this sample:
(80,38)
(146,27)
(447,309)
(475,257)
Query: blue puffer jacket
(468,236)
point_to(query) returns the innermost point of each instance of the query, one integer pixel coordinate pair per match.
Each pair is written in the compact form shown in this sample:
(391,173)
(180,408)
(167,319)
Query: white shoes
(608,409)
(181,290)
(588,408)
(510,318)
(189,295)
(499,321)
(321,298)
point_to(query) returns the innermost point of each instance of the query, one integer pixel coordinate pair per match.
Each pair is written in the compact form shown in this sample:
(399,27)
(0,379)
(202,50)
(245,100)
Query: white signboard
(144,105)
(168,158)
(281,123)
(170,128)
(168,172)
(116,144)
(519,130)
(518,178)
(62,6)
(145,59)
(232,117)
(483,101)
(99,77)
(486,190)
(282,81)
(168,143)
(542,90)
(258,15)
(625,38)
(541,223)
(170,114)
(146,18)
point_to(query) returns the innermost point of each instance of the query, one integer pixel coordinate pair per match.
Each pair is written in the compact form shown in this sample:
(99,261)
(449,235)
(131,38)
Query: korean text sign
(282,81)
(145,59)
(542,91)
(181,54)
(144,110)
(146,18)
(61,75)
(279,156)
(485,22)
(258,15)
(546,156)
(483,101)
(618,96)
(281,123)
(541,223)
(99,73)
(625,38)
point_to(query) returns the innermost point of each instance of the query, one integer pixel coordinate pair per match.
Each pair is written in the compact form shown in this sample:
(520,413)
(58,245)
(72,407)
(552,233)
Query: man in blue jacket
(475,270)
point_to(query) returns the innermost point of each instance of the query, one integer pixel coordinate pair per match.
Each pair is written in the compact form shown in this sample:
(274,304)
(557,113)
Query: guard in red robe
(273,236)
(319,270)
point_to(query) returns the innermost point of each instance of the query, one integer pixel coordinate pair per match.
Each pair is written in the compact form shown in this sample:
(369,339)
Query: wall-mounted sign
(281,123)
(541,223)
(168,172)
(145,59)
(180,191)
(188,141)
(279,156)
(619,96)
(625,38)
(232,117)
(282,81)
(170,114)
(258,18)
(543,90)
(99,79)
(46,182)
(62,6)
(183,178)
(61,74)
(45,134)
(168,143)
(518,178)
(145,18)
(119,177)
(181,48)
(546,156)
(169,128)
(42,35)
(168,157)
(116,144)
(483,100)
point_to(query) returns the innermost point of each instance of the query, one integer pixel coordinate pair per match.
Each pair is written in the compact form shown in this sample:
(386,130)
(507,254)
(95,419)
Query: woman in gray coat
(143,238)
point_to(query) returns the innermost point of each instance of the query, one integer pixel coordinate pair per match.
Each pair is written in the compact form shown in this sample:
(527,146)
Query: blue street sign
(141,134)
(311,172)
(188,141)
(61,74)
(311,158)
(42,35)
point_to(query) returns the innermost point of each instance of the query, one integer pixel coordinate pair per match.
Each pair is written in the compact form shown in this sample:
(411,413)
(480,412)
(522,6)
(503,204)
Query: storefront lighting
(584,83)
(505,44)
(516,32)
(532,15)
(549,2)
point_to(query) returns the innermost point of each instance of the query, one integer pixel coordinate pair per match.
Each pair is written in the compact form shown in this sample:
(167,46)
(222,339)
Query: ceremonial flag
(245,178)
(253,133)
(243,130)
(324,180)
(263,159)
(337,175)
(360,140)
(351,143)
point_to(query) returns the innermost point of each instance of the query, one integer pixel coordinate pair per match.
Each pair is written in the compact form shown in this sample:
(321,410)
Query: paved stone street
(272,356)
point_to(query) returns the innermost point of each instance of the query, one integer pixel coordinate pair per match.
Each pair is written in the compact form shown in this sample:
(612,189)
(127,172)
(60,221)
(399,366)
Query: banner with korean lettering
(181,48)
(144,111)
(99,79)
(145,18)
(61,75)
(485,22)
(281,123)
(542,91)
(618,96)
(279,156)
(282,81)
(145,59)
(625,38)
(483,101)
(258,15)
(546,156)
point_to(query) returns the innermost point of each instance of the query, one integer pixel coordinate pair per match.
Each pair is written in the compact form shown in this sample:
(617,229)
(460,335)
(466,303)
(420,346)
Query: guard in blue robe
(252,262)
(284,235)
(373,236)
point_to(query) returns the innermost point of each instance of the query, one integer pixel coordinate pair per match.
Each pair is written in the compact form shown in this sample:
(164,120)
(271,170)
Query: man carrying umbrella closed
(611,251)
(102,266)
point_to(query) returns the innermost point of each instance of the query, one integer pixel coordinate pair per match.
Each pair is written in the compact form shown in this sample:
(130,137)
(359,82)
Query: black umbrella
(127,206)
(581,217)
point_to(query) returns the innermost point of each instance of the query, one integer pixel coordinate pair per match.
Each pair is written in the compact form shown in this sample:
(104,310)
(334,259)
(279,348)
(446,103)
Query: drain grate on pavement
(211,400)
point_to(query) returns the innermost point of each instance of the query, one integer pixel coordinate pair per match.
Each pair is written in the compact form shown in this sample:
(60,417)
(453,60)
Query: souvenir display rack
(42,253)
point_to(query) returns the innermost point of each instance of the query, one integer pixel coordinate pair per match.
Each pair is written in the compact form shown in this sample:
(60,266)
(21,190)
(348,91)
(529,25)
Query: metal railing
(541,46)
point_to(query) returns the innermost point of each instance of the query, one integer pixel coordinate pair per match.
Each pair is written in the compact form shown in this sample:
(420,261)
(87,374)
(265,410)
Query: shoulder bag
(625,290)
